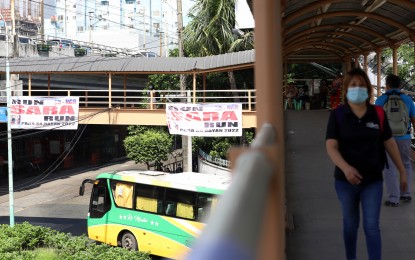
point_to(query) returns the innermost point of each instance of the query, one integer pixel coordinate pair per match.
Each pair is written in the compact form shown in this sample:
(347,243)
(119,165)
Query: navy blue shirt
(360,141)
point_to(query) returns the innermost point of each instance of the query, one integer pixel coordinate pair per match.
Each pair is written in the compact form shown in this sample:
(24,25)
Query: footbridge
(120,85)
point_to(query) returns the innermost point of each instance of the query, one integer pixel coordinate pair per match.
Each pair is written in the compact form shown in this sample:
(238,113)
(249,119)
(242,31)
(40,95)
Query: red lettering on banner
(33,110)
(50,110)
(210,116)
(229,115)
(176,116)
(17,109)
(66,110)
(193,116)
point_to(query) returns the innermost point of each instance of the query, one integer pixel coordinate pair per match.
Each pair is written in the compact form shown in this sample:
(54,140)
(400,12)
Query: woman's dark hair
(348,78)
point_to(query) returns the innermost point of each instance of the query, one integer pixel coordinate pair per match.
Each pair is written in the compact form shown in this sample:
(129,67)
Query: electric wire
(88,116)
(58,161)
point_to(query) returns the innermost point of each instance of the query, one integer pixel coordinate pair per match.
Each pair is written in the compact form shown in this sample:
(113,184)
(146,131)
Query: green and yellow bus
(151,211)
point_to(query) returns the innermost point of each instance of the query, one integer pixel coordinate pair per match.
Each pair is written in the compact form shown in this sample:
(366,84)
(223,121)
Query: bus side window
(123,194)
(205,204)
(149,198)
(180,203)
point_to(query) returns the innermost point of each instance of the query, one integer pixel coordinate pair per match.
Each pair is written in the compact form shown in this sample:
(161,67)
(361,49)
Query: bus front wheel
(129,242)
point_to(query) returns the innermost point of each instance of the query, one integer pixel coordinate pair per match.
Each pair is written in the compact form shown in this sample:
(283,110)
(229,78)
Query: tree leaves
(146,145)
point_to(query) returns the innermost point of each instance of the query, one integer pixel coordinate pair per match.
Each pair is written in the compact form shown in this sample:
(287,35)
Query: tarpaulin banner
(60,113)
(205,119)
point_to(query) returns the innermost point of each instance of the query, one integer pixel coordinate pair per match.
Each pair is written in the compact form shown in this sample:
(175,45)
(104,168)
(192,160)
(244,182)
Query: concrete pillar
(365,62)
(269,85)
(109,89)
(48,85)
(30,85)
(356,61)
(204,87)
(194,88)
(348,63)
(395,59)
(125,90)
(379,70)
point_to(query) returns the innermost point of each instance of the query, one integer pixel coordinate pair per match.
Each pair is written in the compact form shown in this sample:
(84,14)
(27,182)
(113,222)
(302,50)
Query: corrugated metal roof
(139,65)
(370,20)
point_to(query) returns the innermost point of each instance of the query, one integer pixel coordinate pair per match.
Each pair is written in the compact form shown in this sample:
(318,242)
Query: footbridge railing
(146,99)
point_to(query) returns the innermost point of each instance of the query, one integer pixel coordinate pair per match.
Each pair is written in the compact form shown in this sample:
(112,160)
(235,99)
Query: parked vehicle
(60,43)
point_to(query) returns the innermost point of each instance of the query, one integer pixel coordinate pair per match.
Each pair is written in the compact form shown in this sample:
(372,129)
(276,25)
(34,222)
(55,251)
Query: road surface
(55,202)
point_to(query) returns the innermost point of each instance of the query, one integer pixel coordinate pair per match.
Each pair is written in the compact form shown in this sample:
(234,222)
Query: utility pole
(66,31)
(186,140)
(90,26)
(151,21)
(161,43)
(144,29)
(42,22)
(9,131)
(13,17)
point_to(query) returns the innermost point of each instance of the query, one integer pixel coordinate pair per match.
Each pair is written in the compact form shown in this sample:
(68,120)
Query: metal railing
(146,99)
(234,227)
(215,160)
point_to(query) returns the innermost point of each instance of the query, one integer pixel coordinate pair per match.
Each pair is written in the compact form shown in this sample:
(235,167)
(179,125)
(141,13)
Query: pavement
(313,205)
(54,201)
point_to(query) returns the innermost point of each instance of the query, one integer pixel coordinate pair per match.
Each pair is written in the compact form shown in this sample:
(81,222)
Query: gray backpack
(396,113)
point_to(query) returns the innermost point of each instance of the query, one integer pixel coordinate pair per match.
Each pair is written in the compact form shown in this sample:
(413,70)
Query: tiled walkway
(312,201)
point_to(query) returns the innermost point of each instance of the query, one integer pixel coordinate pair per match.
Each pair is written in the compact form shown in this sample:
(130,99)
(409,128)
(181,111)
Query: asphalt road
(54,202)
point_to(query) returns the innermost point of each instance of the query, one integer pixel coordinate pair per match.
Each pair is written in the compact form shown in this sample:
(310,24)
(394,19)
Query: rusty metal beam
(317,4)
(346,26)
(325,49)
(327,33)
(318,42)
(324,38)
(379,17)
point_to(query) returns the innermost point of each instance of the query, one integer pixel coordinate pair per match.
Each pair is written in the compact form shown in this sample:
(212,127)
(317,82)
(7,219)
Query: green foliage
(405,63)
(164,81)
(27,242)
(146,145)
(210,30)
(219,146)
(46,254)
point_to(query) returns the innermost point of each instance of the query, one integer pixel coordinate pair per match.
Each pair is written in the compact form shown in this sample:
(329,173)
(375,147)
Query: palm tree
(210,31)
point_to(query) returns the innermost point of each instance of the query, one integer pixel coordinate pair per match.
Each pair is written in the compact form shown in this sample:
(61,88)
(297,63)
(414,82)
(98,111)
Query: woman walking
(357,137)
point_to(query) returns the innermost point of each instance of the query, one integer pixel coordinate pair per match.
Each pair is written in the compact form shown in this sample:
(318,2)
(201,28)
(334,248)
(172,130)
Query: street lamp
(9,131)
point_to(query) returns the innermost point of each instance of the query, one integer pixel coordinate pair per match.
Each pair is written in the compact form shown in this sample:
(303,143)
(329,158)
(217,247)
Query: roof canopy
(337,29)
(140,65)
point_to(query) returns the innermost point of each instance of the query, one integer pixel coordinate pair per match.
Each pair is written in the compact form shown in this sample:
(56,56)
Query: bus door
(100,204)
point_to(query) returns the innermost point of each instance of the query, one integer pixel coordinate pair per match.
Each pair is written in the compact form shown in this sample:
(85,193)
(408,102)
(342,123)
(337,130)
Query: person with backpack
(357,137)
(400,112)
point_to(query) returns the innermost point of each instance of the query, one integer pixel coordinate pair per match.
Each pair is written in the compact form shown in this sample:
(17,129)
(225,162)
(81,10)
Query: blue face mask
(357,95)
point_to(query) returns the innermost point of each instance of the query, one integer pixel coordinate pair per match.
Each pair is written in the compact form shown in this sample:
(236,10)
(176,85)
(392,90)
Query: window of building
(105,27)
(60,17)
(74,17)
(74,6)
(80,28)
